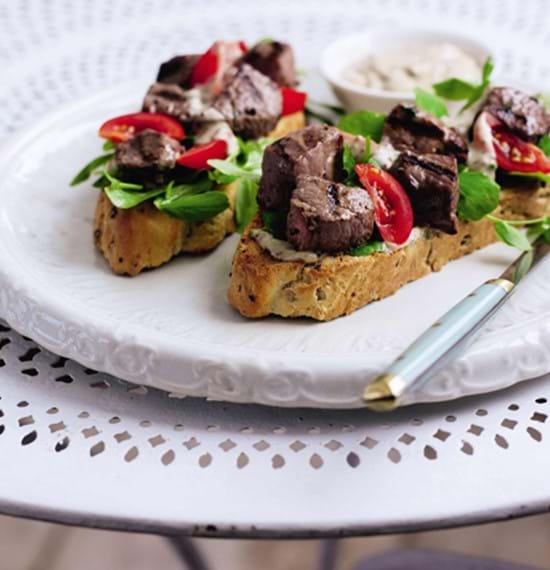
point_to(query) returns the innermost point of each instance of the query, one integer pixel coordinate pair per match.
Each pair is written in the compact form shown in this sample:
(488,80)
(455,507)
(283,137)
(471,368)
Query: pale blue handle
(450,330)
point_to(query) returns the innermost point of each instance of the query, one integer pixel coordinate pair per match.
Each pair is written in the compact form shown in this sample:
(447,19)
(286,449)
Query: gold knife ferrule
(504,283)
(383,393)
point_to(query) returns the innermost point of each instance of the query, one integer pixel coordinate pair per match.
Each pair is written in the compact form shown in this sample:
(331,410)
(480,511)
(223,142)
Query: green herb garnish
(246,163)
(538,175)
(479,195)
(368,248)
(91,168)
(364,123)
(544,145)
(195,207)
(456,89)
(430,103)
(246,206)
(348,164)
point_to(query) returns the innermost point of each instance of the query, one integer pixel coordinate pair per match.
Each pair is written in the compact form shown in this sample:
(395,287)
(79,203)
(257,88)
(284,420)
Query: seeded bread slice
(143,237)
(261,285)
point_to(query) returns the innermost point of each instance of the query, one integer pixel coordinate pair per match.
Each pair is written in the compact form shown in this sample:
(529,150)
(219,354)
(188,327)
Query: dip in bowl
(377,70)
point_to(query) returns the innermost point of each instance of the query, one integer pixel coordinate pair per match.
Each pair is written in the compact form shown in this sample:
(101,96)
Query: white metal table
(84,448)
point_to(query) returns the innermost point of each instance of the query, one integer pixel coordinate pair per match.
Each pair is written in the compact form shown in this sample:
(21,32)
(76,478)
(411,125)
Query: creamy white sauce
(415,65)
(385,154)
(218,131)
(283,250)
(416,234)
(481,153)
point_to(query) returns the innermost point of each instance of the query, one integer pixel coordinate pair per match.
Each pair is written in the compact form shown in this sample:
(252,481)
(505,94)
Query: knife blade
(448,335)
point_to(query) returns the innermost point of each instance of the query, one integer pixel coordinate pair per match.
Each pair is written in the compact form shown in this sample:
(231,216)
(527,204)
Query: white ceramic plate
(172,328)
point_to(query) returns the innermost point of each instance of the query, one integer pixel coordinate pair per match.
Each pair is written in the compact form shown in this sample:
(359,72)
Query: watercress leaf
(364,123)
(538,175)
(195,207)
(539,232)
(90,168)
(272,220)
(125,199)
(454,89)
(245,203)
(121,185)
(510,235)
(109,145)
(478,92)
(479,195)
(368,248)
(430,103)
(348,164)
(203,184)
(544,145)
(487,71)
(367,157)
(101,182)
(523,266)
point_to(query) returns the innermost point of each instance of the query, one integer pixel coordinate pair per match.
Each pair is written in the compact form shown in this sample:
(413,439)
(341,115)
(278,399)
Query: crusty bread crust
(261,285)
(144,237)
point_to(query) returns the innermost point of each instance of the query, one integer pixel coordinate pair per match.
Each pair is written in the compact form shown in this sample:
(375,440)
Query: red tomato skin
(125,127)
(198,156)
(515,155)
(393,211)
(205,68)
(208,65)
(293,101)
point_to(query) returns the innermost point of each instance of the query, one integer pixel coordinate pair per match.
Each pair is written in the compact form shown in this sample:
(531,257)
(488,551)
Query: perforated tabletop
(82,447)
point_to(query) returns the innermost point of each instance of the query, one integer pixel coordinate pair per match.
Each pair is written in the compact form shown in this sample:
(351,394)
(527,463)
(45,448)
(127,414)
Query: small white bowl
(348,51)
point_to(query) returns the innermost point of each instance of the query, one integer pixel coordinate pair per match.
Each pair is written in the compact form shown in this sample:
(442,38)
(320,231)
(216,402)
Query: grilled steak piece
(525,116)
(328,216)
(147,157)
(431,181)
(178,70)
(274,59)
(315,150)
(171,99)
(250,102)
(408,128)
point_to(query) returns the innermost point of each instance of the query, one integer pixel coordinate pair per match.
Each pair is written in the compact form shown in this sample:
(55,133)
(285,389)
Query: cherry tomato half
(514,154)
(198,156)
(214,62)
(393,212)
(125,127)
(293,101)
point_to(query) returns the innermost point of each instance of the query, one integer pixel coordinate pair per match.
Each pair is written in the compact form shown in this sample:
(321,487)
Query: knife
(441,342)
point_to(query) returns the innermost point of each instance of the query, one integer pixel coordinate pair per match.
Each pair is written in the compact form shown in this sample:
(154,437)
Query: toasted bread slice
(261,285)
(144,237)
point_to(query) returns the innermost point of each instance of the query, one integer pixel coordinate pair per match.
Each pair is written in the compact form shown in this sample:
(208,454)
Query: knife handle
(436,345)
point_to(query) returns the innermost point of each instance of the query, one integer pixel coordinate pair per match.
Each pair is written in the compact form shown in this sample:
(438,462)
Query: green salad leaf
(510,235)
(430,103)
(91,168)
(368,248)
(455,89)
(348,164)
(479,195)
(544,145)
(538,175)
(195,207)
(271,220)
(246,206)
(366,123)
(125,199)
(246,163)
(109,145)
